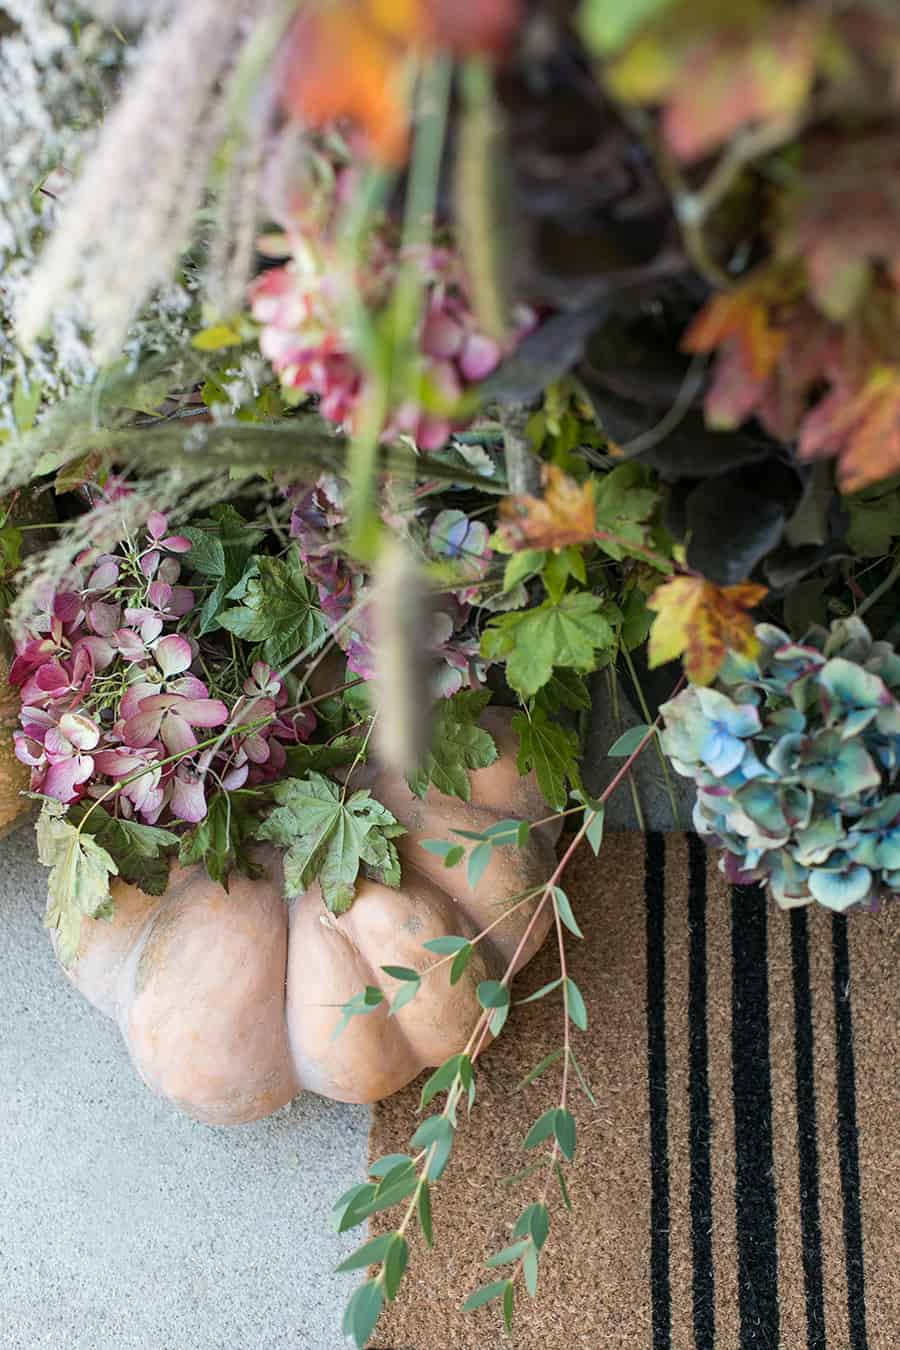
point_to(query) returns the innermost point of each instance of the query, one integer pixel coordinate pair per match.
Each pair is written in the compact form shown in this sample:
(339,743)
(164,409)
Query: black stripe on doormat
(848,1147)
(752,1092)
(655,896)
(807,1148)
(700,1122)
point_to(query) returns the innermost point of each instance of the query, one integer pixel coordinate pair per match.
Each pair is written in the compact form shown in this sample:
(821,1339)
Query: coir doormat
(737,1186)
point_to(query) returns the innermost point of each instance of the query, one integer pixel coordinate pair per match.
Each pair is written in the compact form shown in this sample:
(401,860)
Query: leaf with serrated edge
(458,746)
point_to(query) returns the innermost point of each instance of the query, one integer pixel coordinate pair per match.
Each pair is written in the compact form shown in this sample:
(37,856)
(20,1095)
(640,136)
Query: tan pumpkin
(229,1002)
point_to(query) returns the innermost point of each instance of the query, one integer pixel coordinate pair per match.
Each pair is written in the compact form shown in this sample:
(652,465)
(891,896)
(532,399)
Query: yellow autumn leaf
(701,622)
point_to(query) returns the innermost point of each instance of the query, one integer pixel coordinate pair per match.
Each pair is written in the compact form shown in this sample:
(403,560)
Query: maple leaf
(860,423)
(702,622)
(565,515)
(328,838)
(458,744)
(276,610)
(714,79)
(842,218)
(78,885)
(566,633)
(738,325)
(551,750)
(350,59)
(339,62)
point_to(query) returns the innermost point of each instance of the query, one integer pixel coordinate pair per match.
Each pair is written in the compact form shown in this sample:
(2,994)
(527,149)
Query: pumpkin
(229,1002)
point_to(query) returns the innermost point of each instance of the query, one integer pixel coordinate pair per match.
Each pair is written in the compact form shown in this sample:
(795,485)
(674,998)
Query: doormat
(737,1185)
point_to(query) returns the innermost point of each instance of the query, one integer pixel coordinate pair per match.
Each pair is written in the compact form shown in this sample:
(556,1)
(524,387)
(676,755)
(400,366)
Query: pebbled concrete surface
(126,1226)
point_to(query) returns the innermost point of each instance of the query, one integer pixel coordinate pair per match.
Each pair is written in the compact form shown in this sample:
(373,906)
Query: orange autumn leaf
(701,622)
(738,326)
(565,515)
(341,62)
(861,426)
(349,60)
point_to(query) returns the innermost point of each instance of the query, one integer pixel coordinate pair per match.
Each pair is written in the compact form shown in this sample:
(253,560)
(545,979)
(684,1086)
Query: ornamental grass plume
(131,213)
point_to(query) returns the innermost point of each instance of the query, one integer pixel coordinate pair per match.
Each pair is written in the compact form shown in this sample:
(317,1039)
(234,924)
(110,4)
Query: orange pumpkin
(228,1002)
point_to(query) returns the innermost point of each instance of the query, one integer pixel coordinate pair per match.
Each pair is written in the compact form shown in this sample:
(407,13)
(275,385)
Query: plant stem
(881,589)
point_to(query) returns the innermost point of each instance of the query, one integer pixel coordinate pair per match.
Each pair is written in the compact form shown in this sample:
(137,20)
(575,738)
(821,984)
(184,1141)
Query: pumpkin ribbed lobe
(229,1001)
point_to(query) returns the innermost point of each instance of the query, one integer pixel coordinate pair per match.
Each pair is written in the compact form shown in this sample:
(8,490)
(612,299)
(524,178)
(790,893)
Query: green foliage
(534,641)
(221,548)
(626,499)
(78,884)
(458,745)
(277,610)
(222,839)
(328,838)
(551,750)
(607,25)
(367,1001)
(139,851)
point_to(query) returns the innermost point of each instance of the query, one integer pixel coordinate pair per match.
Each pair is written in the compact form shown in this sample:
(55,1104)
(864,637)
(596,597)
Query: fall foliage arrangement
(453,353)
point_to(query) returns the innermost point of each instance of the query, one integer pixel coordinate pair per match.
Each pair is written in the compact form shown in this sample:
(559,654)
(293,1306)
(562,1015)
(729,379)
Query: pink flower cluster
(317,515)
(111,705)
(298,307)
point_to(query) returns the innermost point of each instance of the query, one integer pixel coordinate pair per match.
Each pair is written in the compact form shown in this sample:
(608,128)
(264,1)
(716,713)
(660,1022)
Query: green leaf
(431,1131)
(564,909)
(530,1269)
(451,853)
(508,1254)
(577,1009)
(405,994)
(78,884)
(362,1312)
(365,1002)
(222,839)
(300,759)
(327,839)
(544,990)
(371,1253)
(564,1190)
(565,689)
(382,1166)
(479,859)
(26,400)
(217,338)
(540,1068)
(568,562)
(564,1129)
(534,641)
(593,819)
(625,502)
(402,973)
(509,1295)
(542,1129)
(351,1208)
(445,946)
(441,1080)
(458,745)
(628,742)
(222,545)
(395,1265)
(551,750)
(606,25)
(493,994)
(581,1078)
(534,1222)
(402,1170)
(278,611)
(138,850)
(460,963)
(528,562)
(485,1295)
(424,1205)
